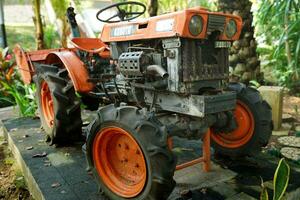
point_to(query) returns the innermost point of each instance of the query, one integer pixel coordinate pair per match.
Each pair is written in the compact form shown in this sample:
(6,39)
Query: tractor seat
(91,45)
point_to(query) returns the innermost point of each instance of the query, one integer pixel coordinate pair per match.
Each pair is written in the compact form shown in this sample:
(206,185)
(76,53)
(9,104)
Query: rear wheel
(254,125)
(129,155)
(58,105)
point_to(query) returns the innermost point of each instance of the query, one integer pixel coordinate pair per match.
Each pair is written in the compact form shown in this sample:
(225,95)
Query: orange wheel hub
(242,134)
(47,104)
(120,162)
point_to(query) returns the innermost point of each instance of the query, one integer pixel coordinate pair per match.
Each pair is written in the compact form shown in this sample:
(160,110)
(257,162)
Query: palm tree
(152,7)
(243,56)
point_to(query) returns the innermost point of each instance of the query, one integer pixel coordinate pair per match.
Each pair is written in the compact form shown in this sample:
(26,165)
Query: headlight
(196,25)
(231,28)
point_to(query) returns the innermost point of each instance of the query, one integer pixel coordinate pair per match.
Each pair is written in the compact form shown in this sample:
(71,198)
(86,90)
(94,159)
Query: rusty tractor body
(151,80)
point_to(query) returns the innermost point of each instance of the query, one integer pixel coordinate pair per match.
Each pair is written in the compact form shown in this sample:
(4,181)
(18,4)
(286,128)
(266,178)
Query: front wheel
(129,156)
(254,125)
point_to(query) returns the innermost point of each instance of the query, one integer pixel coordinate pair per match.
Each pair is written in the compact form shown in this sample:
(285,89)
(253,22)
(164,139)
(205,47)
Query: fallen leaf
(204,190)
(85,122)
(29,148)
(40,155)
(55,185)
(19,178)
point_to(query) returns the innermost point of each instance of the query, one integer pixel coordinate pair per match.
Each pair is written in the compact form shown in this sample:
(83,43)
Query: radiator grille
(201,61)
(215,23)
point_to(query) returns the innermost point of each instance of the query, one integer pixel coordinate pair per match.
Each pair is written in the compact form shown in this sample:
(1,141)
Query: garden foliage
(278,24)
(12,89)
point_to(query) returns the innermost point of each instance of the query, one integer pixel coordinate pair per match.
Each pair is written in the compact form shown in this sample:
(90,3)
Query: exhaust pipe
(157,69)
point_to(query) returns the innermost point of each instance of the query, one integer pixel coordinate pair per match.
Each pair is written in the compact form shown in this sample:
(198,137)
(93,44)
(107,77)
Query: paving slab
(291,141)
(291,153)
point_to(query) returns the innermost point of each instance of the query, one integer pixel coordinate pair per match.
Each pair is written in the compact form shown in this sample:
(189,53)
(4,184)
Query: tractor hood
(176,24)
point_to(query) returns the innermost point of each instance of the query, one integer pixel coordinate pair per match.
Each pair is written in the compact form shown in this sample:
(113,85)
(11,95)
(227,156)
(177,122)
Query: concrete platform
(59,173)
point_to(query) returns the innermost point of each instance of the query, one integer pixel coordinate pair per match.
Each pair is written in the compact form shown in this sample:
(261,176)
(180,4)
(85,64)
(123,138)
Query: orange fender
(77,71)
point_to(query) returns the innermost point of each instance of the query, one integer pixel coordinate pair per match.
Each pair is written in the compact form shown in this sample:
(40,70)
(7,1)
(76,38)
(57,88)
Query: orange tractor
(149,80)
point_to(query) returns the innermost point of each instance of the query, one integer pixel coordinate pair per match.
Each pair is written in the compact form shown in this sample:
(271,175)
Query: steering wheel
(122,13)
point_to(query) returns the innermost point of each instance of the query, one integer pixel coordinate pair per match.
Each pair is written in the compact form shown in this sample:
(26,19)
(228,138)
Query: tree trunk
(243,56)
(65,32)
(38,24)
(152,7)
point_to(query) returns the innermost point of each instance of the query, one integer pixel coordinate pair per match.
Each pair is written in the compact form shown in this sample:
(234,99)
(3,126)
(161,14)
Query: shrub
(12,89)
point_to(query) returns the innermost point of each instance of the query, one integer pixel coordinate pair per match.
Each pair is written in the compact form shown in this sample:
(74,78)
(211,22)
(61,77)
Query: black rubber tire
(67,122)
(90,103)
(152,138)
(262,114)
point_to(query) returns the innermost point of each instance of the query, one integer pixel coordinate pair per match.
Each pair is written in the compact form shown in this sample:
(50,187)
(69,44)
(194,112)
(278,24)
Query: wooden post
(274,96)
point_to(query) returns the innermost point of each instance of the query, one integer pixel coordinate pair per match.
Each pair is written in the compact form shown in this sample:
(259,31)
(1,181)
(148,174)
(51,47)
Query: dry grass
(12,182)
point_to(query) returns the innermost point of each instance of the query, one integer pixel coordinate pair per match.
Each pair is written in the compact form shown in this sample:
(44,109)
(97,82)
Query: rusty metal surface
(192,105)
(24,66)
(202,61)
(76,68)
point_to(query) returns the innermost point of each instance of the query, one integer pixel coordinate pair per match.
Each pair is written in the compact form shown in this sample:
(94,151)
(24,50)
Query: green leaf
(264,192)
(297,50)
(281,179)
(254,83)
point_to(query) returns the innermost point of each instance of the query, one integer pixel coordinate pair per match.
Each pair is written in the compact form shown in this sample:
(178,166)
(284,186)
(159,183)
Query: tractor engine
(177,65)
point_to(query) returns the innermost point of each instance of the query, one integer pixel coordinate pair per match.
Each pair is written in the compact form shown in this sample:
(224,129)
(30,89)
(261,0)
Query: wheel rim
(47,104)
(119,162)
(242,134)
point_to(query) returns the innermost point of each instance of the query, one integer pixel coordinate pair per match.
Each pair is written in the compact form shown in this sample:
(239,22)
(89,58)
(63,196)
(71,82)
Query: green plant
(51,37)
(280,182)
(274,152)
(12,90)
(23,96)
(278,26)
(254,84)
(19,180)
(9,161)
